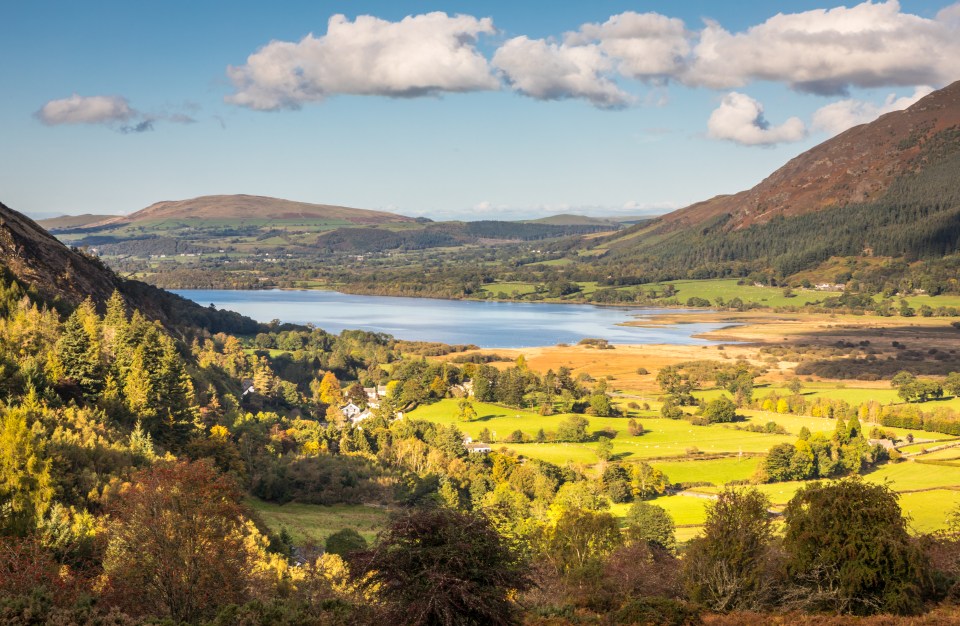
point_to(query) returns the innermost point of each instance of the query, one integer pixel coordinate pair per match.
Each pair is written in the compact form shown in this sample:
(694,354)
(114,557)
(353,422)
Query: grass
(509,288)
(312,523)
(727,288)
(716,471)
(909,476)
(662,438)
(929,510)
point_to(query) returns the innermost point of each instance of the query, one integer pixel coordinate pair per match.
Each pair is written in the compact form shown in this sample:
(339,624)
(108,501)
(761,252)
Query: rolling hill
(244,207)
(66,222)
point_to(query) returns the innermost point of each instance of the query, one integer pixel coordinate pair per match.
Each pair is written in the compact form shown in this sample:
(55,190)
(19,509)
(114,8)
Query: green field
(716,471)
(927,491)
(929,510)
(727,288)
(662,437)
(312,523)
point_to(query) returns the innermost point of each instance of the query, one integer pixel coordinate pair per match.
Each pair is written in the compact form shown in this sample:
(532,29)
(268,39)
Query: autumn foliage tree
(175,543)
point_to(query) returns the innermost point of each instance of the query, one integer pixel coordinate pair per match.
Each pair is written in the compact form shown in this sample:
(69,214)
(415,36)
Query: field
(715,455)
(662,437)
(749,294)
(312,524)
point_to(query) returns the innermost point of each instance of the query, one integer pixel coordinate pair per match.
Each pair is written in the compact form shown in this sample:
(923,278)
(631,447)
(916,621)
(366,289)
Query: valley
(243,409)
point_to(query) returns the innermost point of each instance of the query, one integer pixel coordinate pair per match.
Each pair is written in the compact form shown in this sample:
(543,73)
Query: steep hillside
(65,277)
(888,188)
(244,207)
(856,166)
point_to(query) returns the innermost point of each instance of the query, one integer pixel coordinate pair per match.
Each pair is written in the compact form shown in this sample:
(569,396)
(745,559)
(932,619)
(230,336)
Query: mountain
(244,207)
(887,188)
(64,277)
(856,166)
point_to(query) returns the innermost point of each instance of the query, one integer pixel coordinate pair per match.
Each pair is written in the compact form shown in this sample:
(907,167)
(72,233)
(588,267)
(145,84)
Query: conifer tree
(26,489)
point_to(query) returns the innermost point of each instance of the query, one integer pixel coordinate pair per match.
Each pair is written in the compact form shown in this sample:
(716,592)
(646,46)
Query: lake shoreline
(490,324)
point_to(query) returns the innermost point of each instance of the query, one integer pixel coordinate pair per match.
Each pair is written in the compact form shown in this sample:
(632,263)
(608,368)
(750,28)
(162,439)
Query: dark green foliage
(444,567)
(656,611)
(320,480)
(849,551)
(344,542)
(730,567)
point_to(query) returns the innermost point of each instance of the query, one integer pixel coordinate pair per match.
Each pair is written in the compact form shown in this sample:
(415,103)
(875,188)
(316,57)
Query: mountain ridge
(249,207)
(856,166)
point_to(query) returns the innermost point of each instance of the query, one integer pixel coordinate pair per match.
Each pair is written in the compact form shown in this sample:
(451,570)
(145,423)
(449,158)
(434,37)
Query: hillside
(72,221)
(65,277)
(887,188)
(857,166)
(244,207)
(569,219)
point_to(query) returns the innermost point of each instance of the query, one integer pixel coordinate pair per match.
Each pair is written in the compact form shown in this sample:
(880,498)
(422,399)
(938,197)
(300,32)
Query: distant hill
(246,207)
(569,219)
(889,188)
(73,221)
(64,277)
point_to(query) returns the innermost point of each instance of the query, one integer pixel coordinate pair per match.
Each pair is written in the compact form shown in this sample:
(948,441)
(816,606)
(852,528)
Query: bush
(344,542)
(657,612)
(849,550)
(440,566)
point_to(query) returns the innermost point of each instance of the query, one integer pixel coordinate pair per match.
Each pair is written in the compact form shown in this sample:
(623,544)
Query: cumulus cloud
(112,111)
(645,46)
(551,71)
(419,55)
(79,109)
(739,118)
(827,51)
(839,116)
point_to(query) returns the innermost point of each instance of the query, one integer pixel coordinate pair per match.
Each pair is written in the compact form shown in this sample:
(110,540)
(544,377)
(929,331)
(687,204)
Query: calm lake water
(486,324)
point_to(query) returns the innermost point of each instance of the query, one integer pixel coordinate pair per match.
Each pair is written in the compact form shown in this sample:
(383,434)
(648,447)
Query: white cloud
(826,51)
(551,71)
(419,55)
(839,116)
(86,110)
(739,118)
(645,45)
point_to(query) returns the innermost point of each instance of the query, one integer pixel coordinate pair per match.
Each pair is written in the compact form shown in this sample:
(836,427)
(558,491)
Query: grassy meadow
(311,524)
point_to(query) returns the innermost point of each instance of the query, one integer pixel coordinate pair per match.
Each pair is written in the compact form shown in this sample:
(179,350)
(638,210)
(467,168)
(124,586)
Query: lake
(486,324)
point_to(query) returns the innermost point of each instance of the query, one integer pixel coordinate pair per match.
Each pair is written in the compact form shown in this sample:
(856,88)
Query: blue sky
(501,110)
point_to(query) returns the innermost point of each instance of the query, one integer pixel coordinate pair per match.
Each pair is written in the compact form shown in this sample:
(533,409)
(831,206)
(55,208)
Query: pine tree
(26,488)
(78,351)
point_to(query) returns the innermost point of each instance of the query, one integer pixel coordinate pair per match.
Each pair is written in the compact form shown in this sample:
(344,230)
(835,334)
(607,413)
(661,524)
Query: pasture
(311,524)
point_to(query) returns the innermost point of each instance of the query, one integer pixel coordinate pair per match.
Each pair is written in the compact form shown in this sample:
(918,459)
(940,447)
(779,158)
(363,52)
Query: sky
(444,109)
